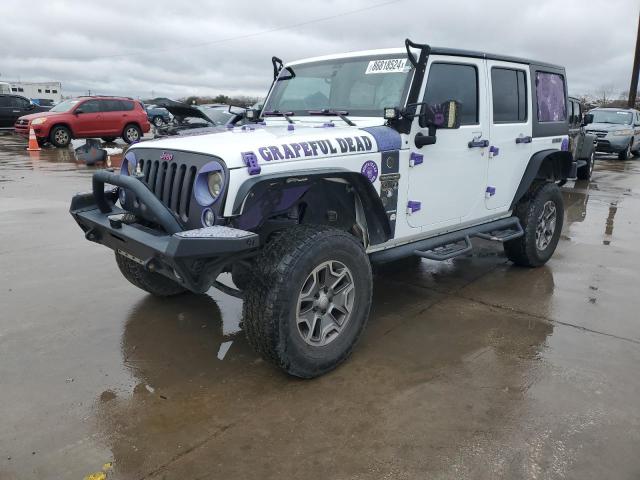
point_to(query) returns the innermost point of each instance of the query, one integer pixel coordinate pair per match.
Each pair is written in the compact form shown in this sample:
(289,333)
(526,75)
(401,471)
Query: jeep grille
(171,182)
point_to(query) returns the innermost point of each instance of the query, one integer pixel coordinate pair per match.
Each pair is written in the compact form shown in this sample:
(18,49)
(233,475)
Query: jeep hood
(281,143)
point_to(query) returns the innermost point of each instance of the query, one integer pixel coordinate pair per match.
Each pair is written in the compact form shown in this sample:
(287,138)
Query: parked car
(364,158)
(158,116)
(87,117)
(13,107)
(581,144)
(617,131)
(197,119)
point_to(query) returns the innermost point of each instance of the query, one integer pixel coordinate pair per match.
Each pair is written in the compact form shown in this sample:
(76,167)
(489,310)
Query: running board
(449,245)
(445,252)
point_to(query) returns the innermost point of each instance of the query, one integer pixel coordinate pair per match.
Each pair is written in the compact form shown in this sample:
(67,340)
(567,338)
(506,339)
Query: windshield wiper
(278,113)
(326,111)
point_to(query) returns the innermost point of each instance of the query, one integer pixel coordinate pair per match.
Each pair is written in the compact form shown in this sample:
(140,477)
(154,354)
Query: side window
(17,102)
(509,91)
(551,97)
(577,115)
(126,105)
(571,112)
(110,105)
(90,106)
(452,81)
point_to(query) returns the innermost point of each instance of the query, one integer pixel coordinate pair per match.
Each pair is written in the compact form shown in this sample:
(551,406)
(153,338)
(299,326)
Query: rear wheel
(131,133)
(151,282)
(60,136)
(309,300)
(585,172)
(541,215)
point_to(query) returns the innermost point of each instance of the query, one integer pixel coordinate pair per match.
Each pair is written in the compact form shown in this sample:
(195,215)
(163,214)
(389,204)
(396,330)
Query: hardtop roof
(434,51)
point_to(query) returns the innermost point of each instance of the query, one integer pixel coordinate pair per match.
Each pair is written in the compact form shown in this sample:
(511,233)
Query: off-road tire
(585,172)
(271,304)
(626,154)
(127,133)
(523,251)
(151,282)
(241,276)
(109,139)
(60,136)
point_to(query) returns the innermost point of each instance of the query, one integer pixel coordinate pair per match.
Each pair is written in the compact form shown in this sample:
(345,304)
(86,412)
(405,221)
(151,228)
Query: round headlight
(215,181)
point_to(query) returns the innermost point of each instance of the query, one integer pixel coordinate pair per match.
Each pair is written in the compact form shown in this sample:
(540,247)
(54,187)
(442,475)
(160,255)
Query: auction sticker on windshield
(390,65)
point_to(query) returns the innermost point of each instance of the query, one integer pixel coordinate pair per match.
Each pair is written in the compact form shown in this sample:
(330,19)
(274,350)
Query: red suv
(87,117)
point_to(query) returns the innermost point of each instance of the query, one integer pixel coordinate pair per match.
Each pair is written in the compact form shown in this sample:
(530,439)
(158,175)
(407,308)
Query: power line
(231,39)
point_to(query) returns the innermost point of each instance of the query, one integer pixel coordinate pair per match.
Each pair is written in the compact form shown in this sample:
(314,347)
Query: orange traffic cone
(33,142)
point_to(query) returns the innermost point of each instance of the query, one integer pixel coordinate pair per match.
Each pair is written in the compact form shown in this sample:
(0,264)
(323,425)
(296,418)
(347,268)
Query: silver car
(617,131)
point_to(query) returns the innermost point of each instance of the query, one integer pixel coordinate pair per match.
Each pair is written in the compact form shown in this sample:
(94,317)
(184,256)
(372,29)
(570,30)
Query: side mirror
(78,111)
(31,106)
(587,119)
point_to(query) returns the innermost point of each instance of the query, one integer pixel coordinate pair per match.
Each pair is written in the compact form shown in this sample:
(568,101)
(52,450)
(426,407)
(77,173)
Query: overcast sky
(180,48)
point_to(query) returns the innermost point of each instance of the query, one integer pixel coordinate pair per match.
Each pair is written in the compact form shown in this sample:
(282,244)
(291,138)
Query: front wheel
(60,136)
(626,153)
(310,299)
(541,214)
(158,121)
(131,133)
(151,282)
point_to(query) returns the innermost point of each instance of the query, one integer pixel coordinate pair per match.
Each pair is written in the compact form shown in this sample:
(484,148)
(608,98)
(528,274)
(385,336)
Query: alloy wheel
(325,303)
(546,226)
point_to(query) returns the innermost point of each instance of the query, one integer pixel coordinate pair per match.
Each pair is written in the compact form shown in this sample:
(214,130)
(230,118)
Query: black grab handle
(478,143)
(523,139)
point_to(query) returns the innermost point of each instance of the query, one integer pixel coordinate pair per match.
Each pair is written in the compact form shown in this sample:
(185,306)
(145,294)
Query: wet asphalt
(471,368)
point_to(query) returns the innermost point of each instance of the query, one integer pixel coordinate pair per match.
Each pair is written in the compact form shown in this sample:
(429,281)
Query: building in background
(41,93)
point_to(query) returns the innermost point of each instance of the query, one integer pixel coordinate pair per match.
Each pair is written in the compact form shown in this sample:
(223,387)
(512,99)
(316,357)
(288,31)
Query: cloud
(178,49)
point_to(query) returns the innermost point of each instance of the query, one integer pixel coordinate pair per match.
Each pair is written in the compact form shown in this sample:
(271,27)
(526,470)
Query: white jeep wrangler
(355,159)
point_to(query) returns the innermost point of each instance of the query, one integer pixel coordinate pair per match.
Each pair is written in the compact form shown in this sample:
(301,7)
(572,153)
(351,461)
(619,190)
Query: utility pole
(636,70)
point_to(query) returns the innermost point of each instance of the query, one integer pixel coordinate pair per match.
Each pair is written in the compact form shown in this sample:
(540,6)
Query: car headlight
(215,182)
(38,121)
(623,133)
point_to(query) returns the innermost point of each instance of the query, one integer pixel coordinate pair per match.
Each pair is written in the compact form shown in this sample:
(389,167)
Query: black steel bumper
(194,258)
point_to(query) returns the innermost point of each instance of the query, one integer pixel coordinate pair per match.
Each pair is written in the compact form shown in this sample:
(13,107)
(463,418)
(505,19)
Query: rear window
(552,105)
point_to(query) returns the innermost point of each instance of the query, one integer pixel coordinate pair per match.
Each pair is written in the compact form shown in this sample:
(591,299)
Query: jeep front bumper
(193,258)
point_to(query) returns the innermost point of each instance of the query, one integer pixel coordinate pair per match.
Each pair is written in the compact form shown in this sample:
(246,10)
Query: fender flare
(378,226)
(551,165)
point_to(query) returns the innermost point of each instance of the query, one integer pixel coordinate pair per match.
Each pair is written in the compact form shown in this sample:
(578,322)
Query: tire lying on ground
(309,300)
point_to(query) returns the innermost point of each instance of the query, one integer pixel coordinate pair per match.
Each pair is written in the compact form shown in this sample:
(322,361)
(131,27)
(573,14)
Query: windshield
(218,115)
(65,106)
(361,86)
(612,116)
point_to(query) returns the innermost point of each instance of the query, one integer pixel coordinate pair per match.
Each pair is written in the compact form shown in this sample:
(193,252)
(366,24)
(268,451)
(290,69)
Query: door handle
(16,111)
(477,143)
(523,139)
